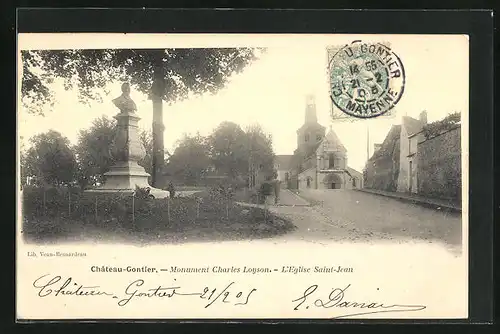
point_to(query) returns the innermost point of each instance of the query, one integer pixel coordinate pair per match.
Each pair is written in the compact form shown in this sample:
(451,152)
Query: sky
(272,92)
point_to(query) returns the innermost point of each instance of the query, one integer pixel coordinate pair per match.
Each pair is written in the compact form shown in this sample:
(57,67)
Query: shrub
(266,189)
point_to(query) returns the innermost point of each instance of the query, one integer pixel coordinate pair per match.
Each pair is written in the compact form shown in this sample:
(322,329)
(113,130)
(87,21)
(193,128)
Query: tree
(49,160)
(228,145)
(237,153)
(164,75)
(260,148)
(146,139)
(93,151)
(94,147)
(190,160)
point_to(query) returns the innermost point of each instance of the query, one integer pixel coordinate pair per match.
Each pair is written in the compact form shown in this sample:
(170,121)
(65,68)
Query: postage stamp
(366,79)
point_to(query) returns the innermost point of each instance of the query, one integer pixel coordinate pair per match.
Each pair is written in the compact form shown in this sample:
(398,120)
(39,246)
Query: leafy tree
(94,148)
(146,139)
(228,144)
(260,148)
(49,160)
(237,153)
(190,160)
(164,75)
(93,151)
(22,161)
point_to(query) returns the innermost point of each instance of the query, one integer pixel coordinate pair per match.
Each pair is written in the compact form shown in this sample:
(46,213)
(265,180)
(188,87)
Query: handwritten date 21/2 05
(211,295)
(56,286)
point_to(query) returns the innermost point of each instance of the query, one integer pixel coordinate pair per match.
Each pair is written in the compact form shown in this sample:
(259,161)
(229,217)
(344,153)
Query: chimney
(423,117)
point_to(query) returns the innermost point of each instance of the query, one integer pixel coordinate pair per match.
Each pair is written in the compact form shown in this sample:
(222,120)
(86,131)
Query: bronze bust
(124,102)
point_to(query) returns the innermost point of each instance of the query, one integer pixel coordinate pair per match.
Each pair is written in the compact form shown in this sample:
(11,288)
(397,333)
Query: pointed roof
(412,125)
(387,146)
(332,138)
(353,172)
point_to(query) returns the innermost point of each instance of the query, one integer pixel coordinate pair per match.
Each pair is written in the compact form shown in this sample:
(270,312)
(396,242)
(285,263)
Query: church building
(320,160)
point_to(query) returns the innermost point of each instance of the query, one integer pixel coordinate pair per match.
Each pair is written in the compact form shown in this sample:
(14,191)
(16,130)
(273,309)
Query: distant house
(283,167)
(393,165)
(411,134)
(408,161)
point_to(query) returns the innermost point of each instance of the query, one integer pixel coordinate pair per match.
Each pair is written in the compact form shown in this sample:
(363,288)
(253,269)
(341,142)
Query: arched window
(306,138)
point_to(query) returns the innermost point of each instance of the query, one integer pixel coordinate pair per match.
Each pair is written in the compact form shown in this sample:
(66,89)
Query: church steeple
(310,134)
(311,117)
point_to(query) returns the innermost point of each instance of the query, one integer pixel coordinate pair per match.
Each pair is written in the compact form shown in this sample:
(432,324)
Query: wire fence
(131,208)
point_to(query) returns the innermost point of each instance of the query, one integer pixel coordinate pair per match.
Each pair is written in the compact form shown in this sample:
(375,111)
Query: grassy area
(246,196)
(111,218)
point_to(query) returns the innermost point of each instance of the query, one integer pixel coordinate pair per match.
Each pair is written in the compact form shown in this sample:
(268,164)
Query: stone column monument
(127,150)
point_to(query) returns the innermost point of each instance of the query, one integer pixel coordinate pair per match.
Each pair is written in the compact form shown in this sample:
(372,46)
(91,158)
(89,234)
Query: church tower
(311,117)
(310,134)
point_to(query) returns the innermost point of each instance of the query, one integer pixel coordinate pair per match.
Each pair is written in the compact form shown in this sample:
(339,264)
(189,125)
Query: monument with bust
(126,173)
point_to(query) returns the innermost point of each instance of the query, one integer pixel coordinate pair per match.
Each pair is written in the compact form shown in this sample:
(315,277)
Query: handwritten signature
(48,285)
(336,299)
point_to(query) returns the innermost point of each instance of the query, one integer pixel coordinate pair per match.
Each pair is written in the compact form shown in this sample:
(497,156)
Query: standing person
(171,189)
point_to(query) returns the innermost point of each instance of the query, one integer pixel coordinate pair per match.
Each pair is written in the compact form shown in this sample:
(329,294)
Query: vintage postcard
(199,176)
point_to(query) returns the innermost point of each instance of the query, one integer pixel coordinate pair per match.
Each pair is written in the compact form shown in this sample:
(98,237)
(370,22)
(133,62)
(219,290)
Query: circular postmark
(366,79)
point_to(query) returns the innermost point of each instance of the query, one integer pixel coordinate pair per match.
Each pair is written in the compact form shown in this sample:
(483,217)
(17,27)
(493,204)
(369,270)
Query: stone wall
(303,176)
(440,166)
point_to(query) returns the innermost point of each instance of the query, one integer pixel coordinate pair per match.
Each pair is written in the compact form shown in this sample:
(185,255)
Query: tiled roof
(412,125)
(332,138)
(388,145)
(353,172)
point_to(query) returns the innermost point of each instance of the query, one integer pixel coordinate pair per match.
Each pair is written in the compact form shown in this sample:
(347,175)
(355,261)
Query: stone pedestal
(126,173)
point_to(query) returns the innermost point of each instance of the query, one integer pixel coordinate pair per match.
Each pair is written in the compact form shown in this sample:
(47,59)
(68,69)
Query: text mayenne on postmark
(366,79)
